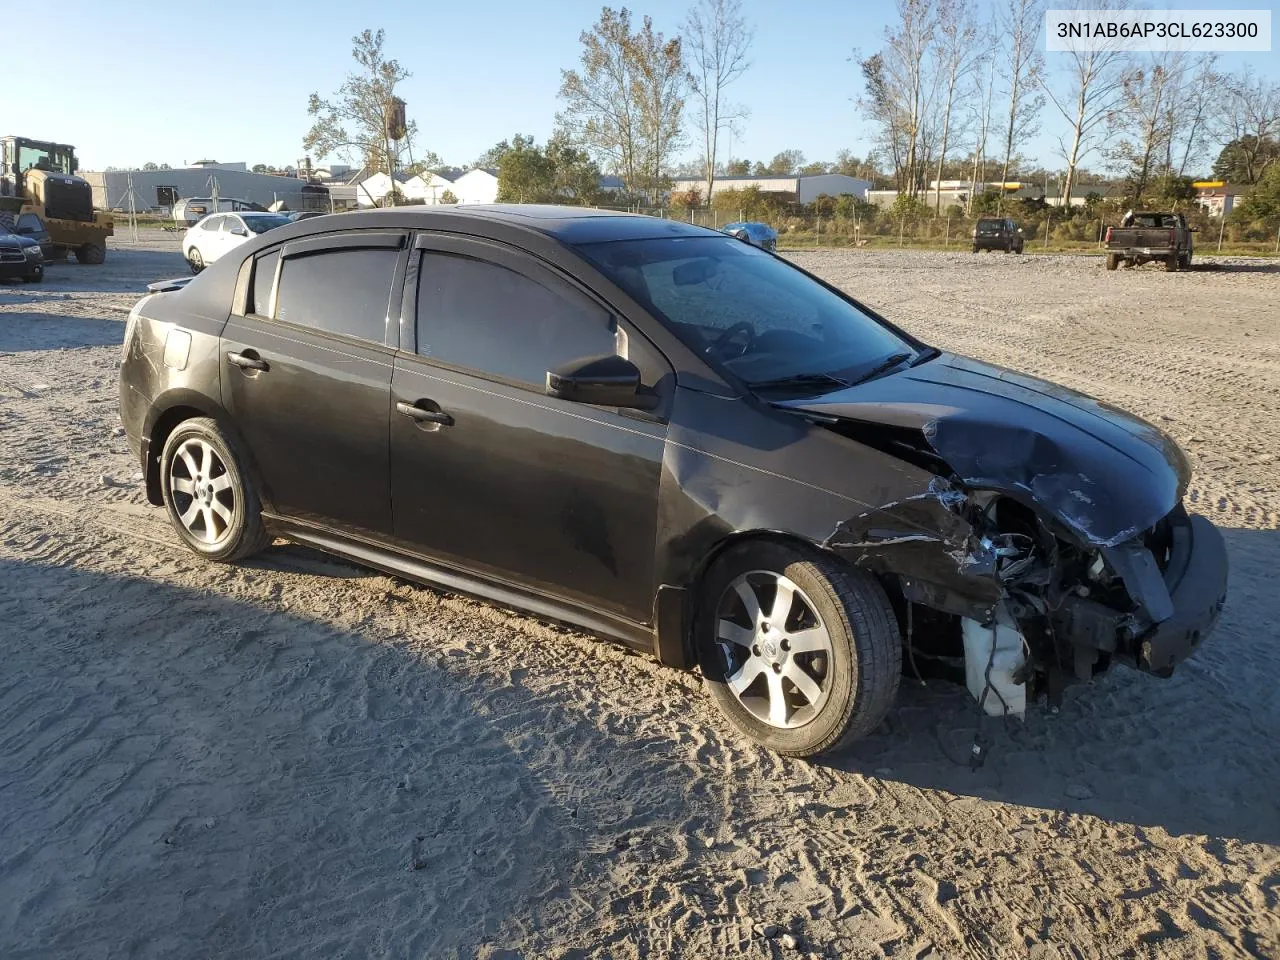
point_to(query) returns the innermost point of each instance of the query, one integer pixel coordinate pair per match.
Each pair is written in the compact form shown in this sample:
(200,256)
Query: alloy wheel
(777,650)
(201,490)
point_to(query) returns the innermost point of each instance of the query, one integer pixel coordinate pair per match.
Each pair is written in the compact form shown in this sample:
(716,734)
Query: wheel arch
(678,606)
(167,412)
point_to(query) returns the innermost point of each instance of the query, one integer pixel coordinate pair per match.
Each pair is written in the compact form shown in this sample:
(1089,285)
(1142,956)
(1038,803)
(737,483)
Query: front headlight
(33,253)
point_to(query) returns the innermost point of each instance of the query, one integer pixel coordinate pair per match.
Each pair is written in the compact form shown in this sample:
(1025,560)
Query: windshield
(261,223)
(48,156)
(751,313)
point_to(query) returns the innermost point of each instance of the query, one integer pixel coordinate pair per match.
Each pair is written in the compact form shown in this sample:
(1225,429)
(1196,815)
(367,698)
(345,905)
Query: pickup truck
(1150,236)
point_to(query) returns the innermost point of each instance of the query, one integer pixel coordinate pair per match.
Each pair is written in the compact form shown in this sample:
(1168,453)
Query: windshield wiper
(801,380)
(888,363)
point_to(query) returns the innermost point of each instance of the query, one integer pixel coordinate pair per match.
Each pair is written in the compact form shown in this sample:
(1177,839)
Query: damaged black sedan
(672,439)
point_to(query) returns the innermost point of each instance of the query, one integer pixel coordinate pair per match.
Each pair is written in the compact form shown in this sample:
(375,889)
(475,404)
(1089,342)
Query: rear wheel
(1186,260)
(799,651)
(91,253)
(1113,261)
(1171,263)
(209,496)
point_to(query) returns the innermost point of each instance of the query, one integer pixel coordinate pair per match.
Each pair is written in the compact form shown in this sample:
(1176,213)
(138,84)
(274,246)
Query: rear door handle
(422,415)
(247,361)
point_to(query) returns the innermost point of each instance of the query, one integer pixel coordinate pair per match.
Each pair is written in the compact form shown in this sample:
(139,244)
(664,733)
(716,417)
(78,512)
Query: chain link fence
(1051,230)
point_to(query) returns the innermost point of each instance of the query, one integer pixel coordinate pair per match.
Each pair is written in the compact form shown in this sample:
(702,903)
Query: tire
(195,260)
(1113,261)
(975,249)
(855,675)
(232,533)
(1018,249)
(91,253)
(37,277)
(1186,261)
(1171,263)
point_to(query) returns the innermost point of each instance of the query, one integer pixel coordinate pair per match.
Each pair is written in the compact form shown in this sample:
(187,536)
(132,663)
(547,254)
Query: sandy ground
(297,757)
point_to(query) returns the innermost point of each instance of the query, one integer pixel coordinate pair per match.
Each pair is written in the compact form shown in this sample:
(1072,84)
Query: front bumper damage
(1175,608)
(1148,601)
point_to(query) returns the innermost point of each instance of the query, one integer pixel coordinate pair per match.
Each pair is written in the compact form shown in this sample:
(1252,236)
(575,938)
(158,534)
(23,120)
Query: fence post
(817,230)
(946,241)
(1277,239)
(902,226)
(1048,226)
(1222,227)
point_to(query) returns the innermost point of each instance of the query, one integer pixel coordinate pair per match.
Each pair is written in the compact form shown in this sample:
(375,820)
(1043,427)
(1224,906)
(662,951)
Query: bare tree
(899,87)
(626,104)
(979,177)
(958,55)
(1250,127)
(719,40)
(1019,25)
(1196,100)
(1093,91)
(1142,122)
(357,119)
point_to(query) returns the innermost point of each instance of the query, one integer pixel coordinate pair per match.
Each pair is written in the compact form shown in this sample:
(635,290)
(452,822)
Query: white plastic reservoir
(1009,656)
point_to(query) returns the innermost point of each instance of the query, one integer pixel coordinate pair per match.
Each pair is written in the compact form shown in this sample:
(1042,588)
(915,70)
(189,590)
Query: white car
(219,232)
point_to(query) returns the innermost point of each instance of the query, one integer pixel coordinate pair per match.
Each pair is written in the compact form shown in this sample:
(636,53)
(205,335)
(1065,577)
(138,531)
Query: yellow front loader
(39,177)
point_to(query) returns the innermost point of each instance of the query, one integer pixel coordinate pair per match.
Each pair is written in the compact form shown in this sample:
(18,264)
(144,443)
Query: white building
(800,189)
(426,187)
(477,186)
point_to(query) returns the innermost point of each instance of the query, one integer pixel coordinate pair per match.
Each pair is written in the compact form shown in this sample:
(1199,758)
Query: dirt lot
(298,757)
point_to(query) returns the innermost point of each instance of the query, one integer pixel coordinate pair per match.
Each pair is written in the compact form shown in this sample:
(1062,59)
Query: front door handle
(423,415)
(248,361)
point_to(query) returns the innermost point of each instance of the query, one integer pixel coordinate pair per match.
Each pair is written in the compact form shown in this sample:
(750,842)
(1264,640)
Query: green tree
(558,173)
(785,163)
(626,103)
(448,197)
(1245,160)
(1263,201)
(355,120)
(737,168)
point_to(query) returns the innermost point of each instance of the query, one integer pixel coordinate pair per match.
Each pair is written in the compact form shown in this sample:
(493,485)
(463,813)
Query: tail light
(1108,237)
(1172,240)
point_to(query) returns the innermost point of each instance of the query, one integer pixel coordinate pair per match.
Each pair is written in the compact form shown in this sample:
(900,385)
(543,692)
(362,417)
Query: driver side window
(487,318)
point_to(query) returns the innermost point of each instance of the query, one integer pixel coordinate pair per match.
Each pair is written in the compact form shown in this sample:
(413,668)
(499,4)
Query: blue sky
(175,83)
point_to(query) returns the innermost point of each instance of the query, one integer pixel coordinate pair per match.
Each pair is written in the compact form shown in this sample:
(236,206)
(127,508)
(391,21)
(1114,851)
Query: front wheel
(208,493)
(195,260)
(799,651)
(91,253)
(36,276)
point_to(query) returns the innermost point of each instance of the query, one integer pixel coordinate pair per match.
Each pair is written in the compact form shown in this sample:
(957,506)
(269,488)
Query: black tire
(1186,260)
(37,276)
(975,248)
(195,260)
(245,532)
(866,646)
(91,253)
(1113,261)
(1171,263)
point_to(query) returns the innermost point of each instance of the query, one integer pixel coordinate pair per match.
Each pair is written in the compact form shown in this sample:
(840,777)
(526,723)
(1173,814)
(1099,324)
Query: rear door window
(344,291)
(260,283)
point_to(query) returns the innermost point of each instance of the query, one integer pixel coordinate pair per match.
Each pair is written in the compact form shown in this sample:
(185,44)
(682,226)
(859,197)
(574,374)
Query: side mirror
(239,232)
(1193,229)
(607,381)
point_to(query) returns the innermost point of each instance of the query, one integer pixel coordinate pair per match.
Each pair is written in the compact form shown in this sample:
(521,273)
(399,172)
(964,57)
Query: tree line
(948,95)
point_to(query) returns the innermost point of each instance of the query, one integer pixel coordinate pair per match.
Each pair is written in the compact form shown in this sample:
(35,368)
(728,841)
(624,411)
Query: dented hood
(1103,473)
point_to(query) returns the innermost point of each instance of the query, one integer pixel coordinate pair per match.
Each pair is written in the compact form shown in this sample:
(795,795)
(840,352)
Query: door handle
(246,361)
(422,415)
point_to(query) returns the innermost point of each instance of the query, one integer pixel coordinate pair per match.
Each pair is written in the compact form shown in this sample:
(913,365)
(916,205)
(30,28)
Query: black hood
(1103,473)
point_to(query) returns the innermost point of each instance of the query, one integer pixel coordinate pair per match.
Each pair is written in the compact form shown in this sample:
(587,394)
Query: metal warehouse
(160,189)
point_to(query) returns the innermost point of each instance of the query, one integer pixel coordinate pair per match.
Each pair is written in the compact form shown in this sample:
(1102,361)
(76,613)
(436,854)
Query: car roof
(572,225)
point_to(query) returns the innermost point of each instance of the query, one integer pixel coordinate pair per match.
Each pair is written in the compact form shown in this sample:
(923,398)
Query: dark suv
(671,438)
(997,233)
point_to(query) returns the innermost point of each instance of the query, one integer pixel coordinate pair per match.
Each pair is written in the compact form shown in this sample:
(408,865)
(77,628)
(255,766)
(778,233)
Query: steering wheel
(725,339)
